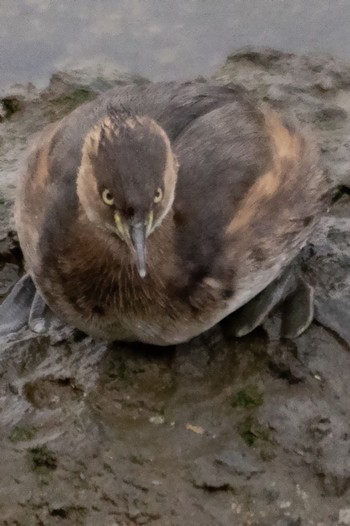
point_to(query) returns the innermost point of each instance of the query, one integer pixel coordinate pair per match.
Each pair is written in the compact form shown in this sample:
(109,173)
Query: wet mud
(218,431)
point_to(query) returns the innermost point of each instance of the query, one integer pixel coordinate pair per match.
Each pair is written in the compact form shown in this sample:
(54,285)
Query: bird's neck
(161,251)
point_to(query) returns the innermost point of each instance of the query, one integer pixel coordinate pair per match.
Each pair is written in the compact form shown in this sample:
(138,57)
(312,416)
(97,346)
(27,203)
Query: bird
(157,210)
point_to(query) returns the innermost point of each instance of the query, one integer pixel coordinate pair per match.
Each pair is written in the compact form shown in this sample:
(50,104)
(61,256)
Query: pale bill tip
(142,272)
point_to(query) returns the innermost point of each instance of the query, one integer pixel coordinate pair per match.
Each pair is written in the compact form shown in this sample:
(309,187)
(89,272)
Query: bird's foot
(23,306)
(333,313)
(40,316)
(297,310)
(290,295)
(15,309)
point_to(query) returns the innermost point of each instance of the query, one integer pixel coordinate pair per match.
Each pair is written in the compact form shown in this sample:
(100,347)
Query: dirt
(215,432)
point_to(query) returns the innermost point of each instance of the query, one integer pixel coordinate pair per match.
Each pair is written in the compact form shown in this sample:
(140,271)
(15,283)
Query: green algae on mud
(21,434)
(251,431)
(42,457)
(248,397)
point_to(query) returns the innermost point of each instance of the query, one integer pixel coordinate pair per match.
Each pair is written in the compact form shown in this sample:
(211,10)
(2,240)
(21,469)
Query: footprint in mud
(50,392)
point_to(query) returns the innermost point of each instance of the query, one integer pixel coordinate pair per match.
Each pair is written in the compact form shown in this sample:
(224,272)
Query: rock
(239,463)
(207,475)
(344,516)
(69,89)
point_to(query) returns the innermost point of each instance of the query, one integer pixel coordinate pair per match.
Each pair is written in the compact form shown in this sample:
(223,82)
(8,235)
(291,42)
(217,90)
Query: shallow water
(160,39)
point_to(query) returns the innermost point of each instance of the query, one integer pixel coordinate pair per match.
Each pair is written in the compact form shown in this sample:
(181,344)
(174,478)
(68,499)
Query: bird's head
(127,177)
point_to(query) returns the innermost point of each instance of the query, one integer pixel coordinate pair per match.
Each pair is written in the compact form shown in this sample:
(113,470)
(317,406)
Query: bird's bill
(138,238)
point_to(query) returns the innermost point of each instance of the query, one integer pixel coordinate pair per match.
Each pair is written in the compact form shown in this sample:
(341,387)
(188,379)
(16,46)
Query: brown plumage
(226,193)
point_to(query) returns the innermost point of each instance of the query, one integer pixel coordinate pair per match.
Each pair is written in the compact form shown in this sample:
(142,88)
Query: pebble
(344,516)
(285,504)
(157,420)
(195,429)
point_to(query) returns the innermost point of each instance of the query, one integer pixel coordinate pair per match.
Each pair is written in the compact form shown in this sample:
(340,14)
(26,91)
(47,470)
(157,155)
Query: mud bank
(214,432)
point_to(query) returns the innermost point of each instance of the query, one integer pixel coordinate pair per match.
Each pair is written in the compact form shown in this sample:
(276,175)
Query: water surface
(160,39)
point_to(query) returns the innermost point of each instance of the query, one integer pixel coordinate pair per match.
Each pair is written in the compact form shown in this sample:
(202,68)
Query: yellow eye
(107,197)
(158,196)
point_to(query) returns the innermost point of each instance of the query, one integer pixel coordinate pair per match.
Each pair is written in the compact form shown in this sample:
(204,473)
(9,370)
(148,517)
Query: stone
(344,516)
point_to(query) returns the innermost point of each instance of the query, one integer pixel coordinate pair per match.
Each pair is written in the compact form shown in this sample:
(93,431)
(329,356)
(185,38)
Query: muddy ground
(215,432)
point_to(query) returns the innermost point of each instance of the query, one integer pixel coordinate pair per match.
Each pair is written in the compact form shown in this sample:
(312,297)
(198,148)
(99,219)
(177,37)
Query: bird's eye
(107,197)
(158,196)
